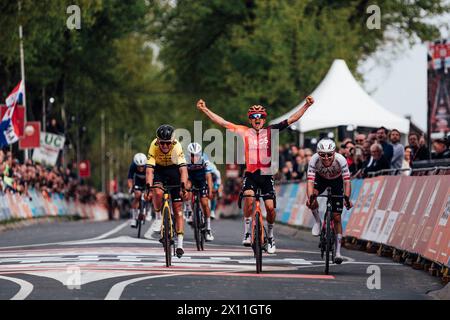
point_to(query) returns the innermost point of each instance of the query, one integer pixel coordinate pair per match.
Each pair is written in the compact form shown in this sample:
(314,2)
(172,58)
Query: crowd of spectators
(16,177)
(379,150)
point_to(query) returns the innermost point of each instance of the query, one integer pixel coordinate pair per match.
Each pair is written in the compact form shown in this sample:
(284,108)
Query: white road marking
(116,291)
(25,288)
(70,242)
(107,234)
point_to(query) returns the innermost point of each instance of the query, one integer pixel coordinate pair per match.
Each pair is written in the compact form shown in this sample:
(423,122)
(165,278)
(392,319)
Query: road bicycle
(168,223)
(198,219)
(327,234)
(141,214)
(259,235)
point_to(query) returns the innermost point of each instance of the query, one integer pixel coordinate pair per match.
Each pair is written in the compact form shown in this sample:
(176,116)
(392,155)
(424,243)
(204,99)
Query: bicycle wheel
(196,224)
(167,237)
(139,220)
(257,245)
(139,228)
(202,230)
(327,242)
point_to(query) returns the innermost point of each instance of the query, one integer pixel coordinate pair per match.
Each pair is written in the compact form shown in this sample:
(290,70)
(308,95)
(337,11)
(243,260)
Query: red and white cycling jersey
(338,168)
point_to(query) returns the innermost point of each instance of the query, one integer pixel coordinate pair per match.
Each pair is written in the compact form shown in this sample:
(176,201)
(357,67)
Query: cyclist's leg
(157,199)
(174,178)
(134,207)
(214,200)
(204,200)
(337,188)
(266,184)
(320,185)
(248,189)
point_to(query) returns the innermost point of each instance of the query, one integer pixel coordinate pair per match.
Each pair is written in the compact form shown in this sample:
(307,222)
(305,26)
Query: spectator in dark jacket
(418,152)
(377,161)
(441,151)
(388,150)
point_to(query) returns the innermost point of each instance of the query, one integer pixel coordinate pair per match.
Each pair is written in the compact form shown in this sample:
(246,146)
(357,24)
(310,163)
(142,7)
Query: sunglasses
(257,116)
(359,140)
(165,143)
(326,155)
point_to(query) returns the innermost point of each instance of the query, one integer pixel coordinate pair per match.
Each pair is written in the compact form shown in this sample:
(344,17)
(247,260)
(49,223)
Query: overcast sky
(401,84)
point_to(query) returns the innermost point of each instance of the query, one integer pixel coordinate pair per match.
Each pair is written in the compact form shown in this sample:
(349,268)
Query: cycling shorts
(256,180)
(337,189)
(169,176)
(201,184)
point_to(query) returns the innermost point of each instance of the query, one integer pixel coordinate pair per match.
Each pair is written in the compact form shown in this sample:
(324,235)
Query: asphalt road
(105,260)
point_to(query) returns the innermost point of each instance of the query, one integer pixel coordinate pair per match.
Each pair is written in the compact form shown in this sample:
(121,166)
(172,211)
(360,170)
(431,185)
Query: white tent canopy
(340,101)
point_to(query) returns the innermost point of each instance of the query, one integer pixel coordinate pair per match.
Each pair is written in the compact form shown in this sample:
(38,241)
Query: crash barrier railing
(439,170)
(35,205)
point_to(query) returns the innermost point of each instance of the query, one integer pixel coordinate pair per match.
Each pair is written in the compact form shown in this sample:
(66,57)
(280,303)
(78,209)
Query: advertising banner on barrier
(438,248)
(431,213)
(424,188)
(362,212)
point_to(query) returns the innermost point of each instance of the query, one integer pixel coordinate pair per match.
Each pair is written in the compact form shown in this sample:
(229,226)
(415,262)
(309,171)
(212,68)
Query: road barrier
(407,213)
(15,206)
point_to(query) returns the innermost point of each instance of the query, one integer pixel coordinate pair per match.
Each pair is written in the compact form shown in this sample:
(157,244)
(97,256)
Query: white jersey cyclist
(329,169)
(339,167)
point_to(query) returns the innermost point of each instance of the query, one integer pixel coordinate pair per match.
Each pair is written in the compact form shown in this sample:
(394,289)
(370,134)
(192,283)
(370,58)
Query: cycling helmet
(165,132)
(194,148)
(257,109)
(326,145)
(140,159)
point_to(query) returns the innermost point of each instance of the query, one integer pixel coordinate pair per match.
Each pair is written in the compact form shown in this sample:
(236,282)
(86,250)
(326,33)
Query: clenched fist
(201,105)
(309,100)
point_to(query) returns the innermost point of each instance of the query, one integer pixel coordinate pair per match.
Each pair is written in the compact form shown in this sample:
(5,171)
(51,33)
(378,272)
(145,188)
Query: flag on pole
(16,96)
(9,127)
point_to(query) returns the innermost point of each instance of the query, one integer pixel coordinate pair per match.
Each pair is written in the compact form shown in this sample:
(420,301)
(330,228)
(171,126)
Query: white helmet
(140,159)
(326,145)
(194,148)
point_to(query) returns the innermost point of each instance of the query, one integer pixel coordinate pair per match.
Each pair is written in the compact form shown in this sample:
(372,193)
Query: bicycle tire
(257,243)
(196,224)
(327,242)
(139,228)
(167,238)
(202,230)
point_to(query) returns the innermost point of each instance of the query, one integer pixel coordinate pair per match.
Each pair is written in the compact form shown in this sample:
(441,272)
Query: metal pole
(22,70)
(102,156)
(111,166)
(43,110)
(78,146)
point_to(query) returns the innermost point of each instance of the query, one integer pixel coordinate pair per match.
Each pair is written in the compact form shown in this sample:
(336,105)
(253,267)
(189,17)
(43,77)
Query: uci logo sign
(53,140)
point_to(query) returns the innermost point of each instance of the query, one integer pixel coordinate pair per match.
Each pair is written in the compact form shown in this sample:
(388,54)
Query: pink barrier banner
(362,212)
(438,248)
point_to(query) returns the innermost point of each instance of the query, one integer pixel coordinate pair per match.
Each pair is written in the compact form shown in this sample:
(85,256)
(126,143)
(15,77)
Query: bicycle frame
(166,208)
(327,238)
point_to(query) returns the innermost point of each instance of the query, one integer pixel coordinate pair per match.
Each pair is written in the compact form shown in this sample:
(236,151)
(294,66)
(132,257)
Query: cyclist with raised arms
(258,153)
(200,177)
(329,169)
(166,165)
(136,183)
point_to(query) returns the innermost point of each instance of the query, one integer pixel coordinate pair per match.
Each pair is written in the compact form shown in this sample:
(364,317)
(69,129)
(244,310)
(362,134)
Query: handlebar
(167,188)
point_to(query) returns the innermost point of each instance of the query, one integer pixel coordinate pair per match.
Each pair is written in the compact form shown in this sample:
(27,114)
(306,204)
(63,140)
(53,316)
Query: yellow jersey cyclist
(329,169)
(166,165)
(200,176)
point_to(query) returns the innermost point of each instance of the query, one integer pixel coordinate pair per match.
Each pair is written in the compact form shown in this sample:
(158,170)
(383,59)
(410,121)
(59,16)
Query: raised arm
(201,105)
(300,112)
